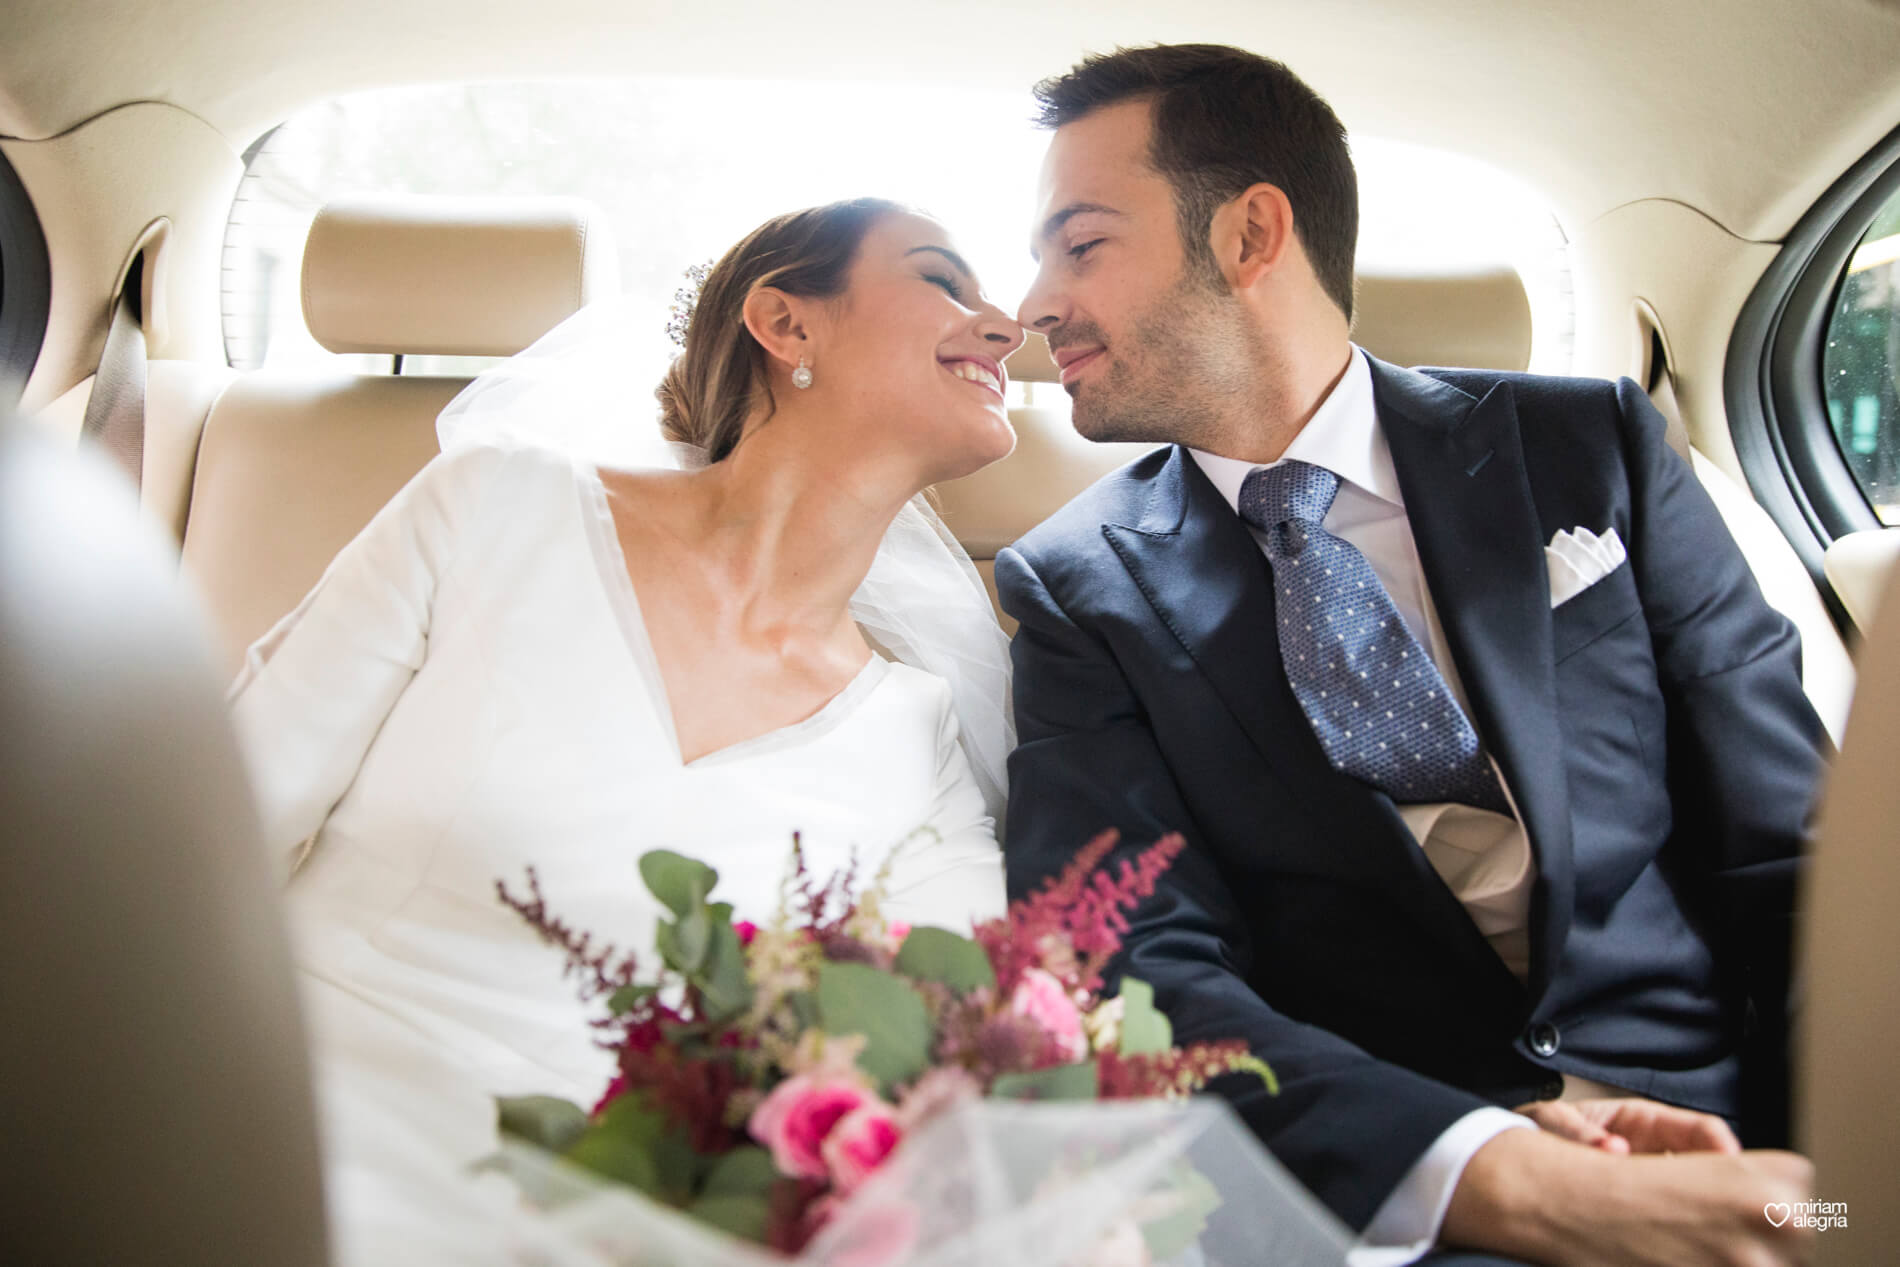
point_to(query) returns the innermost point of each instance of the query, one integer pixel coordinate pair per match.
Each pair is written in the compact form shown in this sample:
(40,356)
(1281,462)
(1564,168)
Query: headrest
(1477,320)
(451,276)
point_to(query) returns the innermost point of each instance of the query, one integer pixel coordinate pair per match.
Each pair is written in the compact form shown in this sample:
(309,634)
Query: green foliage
(1145,1031)
(701,943)
(623,1000)
(936,954)
(741,1216)
(681,883)
(622,1145)
(542,1120)
(634,1143)
(890,1014)
(1189,1199)
(746,1171)
(1064,1082)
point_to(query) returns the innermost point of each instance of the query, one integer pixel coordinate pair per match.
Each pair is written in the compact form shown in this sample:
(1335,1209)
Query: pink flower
(794,1120)
(747,930)
(1041,998)
(894,934)
(859,1144)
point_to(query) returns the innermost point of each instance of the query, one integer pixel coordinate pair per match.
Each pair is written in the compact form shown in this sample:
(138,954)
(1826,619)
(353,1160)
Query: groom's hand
(1540,1199)
(1633,1125)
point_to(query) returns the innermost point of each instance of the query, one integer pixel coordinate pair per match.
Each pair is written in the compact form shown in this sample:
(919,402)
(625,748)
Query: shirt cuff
(1406,1225)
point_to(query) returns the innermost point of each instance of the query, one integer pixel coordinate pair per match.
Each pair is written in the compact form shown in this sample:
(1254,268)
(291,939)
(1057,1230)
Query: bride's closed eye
(948,283)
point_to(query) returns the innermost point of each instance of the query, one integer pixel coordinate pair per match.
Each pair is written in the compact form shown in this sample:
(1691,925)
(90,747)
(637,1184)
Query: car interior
(1724,181)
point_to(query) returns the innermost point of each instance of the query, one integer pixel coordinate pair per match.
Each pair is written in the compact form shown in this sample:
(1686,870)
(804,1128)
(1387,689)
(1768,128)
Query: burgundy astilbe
(1171,1074)
(811,903)
(1074,924)
(691,1090)
(601,970)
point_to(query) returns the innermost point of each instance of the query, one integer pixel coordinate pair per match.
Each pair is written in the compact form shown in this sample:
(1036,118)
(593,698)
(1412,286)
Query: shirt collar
(1343,435)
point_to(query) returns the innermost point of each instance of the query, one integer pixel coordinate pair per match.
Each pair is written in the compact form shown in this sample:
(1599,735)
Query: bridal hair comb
(685,299)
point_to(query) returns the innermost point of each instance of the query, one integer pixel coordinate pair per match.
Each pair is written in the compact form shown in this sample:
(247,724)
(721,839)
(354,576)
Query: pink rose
(859,1144)
(747,930)
(1041,998)
(794,1120)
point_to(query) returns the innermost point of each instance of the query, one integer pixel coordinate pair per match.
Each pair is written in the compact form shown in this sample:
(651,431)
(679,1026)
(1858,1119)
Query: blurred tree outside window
(1860,365)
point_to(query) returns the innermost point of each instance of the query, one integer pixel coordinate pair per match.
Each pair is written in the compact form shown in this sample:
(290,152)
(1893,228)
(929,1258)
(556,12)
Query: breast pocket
(1596,611)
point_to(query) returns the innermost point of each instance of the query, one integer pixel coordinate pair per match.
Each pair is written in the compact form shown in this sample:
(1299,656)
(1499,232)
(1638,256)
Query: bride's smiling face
(915,349)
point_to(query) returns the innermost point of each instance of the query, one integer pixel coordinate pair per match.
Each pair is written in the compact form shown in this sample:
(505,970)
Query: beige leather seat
(155,1097)
(1850,967)
(290,467)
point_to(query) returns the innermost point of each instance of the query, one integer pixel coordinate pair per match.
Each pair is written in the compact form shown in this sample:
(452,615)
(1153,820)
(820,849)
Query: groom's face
(1147,347)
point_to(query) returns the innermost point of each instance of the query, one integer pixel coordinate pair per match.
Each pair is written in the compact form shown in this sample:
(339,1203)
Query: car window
(1860,363)
(684,167)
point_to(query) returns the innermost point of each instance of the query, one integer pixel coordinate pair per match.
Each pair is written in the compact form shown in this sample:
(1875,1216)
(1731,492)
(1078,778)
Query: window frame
(26,287)
(1777,404)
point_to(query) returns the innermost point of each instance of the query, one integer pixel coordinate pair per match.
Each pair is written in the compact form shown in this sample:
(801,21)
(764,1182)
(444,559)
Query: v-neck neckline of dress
(617,584)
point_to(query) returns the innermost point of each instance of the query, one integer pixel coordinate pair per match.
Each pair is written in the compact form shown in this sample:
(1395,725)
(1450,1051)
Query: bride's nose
(1000,330)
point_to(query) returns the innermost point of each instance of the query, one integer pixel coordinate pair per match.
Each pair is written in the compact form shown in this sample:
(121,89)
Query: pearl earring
(801,377)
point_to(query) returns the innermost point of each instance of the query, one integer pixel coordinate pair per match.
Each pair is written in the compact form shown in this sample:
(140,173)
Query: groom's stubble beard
(1177,373)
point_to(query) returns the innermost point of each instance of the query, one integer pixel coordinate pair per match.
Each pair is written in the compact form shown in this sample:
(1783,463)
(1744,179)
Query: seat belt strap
(115,413)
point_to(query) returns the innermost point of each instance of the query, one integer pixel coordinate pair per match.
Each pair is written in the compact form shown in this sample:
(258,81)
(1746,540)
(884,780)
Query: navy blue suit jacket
(1653,731)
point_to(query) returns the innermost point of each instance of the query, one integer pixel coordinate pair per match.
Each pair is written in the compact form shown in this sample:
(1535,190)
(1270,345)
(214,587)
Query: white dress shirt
(1483,857)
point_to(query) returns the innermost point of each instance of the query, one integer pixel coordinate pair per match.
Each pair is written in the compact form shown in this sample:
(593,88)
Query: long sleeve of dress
(314,691)
(955,876)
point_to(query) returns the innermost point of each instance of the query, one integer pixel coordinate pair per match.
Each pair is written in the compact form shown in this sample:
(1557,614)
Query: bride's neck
(791,532)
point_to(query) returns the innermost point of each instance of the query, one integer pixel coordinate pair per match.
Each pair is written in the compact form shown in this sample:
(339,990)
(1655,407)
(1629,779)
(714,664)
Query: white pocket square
(1579,558)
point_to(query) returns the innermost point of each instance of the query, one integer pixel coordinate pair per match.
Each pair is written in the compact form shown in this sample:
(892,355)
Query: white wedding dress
(468,692)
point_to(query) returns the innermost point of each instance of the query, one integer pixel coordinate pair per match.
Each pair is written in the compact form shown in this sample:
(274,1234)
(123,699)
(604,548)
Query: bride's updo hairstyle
(719,380)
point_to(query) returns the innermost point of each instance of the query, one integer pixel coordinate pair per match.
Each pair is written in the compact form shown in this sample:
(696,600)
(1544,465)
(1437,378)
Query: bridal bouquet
(769,1074)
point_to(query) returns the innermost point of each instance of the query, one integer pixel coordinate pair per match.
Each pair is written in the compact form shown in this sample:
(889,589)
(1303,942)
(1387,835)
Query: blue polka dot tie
(1374,698)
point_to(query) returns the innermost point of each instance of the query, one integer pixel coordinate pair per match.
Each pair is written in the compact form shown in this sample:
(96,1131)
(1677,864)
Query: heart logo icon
(1778,1212)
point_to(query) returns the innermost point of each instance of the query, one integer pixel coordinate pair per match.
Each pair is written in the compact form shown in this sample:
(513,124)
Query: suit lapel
(1460,465)
(1200,570)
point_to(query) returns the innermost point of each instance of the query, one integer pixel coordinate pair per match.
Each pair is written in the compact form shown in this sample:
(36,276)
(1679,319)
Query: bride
(532,657)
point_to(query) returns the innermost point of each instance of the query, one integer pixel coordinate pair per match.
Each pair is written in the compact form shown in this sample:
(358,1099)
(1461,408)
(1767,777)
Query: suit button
(1543,1038)
(1552,1090)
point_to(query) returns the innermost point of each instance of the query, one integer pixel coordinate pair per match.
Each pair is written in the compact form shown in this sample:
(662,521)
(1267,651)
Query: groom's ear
(777,321)
(1251,234)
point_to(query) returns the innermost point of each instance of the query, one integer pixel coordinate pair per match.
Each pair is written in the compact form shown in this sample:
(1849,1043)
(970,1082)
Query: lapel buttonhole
(1477,466)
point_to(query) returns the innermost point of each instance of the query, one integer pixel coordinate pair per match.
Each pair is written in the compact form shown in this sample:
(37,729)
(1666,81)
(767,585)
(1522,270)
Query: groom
(1492,760)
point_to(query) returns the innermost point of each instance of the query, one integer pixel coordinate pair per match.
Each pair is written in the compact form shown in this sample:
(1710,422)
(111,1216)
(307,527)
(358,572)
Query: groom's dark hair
(1224,119)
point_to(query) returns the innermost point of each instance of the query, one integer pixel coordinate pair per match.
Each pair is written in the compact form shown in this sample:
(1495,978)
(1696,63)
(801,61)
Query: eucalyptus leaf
(1064,1082)
(937,954)
(854,998)
(622,1001)
(681,883)
(1145,1030)
(542,1120)
(745,1171)
(692,937)
(744,1216)
(725,990)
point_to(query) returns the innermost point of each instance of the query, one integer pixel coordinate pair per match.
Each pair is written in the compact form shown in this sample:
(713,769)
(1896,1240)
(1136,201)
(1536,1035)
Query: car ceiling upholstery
(1742,109)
